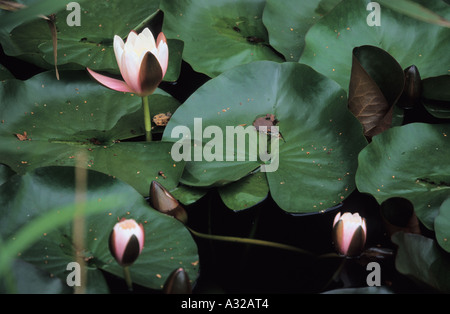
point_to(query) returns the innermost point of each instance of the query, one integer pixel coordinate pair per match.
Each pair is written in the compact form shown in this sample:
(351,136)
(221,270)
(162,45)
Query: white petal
(118,50)
(163,56)
(147,39)
(131,39)
(130,71)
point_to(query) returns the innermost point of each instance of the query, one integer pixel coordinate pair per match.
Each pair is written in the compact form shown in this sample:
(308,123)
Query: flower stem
(250,241)
(147,119)
(127,276)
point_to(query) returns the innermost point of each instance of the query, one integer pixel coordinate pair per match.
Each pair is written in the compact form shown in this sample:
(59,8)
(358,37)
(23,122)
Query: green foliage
(320,138)
(42,202)
(334,86)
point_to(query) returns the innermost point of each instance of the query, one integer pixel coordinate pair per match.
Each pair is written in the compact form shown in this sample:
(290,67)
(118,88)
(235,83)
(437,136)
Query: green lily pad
(168,244)
(288,24)
(410,162)
(442,225)
(319,143)
(91,43)
(422,260)
(28,279)
(436,96)
(329,43)
(416,11)
(220,34)
(32,11)
(5,173)
(188,195)
(246,192)
(48,122)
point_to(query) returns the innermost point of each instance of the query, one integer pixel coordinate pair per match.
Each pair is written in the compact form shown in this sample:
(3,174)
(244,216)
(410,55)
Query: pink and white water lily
(349,234)
(142,63)
(126,241)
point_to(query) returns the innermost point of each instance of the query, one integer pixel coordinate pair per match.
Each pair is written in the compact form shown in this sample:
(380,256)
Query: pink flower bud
(349,234)
(126,241)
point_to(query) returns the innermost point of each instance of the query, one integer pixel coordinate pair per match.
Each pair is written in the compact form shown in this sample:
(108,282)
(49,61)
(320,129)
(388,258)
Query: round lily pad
(329,43)
(318,139)
(220,34)
(49,122)
(89,44)
(410,162)
(168,244)
(287,24)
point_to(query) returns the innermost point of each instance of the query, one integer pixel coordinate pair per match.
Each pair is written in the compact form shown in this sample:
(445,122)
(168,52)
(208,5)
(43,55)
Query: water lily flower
(349,234)
(142,63)
(126,241)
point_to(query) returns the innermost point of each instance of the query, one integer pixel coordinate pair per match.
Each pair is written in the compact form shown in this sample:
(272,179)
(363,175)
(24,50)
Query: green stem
(147,119)
(127,276)
(250,241)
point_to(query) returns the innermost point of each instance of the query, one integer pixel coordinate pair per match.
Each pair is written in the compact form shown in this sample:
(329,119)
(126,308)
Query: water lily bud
(126,241)
(412,92)
(349,234)
(163,201)
(178,283)
(142,63)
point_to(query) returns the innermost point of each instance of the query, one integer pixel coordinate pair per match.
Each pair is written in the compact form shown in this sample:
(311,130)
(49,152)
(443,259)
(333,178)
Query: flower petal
(145,40)
(130,69)
(118,50)
(110,82)
(163,52)
(131,39)
(150,74)
(131,252)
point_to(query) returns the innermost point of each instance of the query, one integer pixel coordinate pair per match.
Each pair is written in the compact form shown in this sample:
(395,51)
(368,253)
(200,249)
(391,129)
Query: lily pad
(288,24)
(188,195)
(246,192)
(422,260)
(227,33)
(49,122)
(318,143)
(5,173)
(410,162)
(442,225)
(329,43)
(28,279)
(416,11)
(436,96)
(91,43)
(376,83)
(168,243)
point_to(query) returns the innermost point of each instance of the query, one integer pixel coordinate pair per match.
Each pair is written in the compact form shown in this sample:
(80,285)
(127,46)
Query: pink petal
(110,82)
(163,52)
